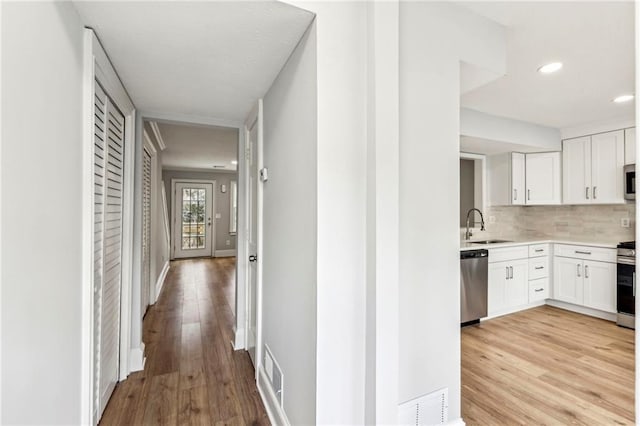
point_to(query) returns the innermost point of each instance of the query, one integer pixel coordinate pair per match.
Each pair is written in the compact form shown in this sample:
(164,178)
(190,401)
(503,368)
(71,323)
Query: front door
(193,230)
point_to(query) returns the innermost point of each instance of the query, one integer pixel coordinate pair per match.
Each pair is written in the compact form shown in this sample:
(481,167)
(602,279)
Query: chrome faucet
(467,235)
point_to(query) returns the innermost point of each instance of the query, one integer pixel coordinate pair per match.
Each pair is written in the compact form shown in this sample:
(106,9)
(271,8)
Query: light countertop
(468,245)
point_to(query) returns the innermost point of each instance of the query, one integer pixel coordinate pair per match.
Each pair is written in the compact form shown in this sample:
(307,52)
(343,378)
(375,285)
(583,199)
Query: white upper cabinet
(592,169)
(524,179)
(517,178)
(607,161)
(543,174)
(630,146)
(576,170)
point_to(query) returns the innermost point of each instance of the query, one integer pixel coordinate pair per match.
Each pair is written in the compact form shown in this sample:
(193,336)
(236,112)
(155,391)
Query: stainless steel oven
(626,285)
(630,182)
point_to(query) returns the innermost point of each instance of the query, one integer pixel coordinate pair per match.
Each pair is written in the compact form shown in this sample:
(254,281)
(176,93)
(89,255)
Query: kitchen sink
(490,242)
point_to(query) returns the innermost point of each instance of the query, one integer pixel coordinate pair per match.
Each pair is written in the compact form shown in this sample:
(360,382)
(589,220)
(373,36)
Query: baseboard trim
(137,359)
(161,278)
(582,310)
(225,253)
(238,339)
(457,422)
(276,414)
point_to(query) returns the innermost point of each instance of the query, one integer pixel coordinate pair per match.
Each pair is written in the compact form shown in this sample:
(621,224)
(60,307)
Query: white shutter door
(146,229)
(99,155)
(108,185)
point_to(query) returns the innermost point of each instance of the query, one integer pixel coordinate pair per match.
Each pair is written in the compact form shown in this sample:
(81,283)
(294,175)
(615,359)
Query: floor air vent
(426,410)
(274,373)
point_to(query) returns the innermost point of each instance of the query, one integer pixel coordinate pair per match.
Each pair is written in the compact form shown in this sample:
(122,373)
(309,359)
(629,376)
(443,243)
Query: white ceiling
(207,59)
(198,147)
(594,40)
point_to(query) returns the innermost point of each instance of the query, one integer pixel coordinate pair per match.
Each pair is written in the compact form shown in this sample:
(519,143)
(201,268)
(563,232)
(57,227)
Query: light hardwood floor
(192,375)
(547,366)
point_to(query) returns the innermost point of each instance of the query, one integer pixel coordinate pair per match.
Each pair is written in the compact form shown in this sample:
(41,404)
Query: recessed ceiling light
(234,162)
(550,68)
(623,98)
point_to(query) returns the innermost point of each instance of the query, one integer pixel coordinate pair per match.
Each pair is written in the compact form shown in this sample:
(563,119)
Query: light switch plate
(624,222)
(218,215)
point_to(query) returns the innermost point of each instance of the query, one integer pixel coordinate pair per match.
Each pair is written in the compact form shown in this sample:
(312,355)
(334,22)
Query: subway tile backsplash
(580,223)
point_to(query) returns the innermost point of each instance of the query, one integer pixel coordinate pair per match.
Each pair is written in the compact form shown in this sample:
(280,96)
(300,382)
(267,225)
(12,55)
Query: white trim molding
(137,359)
(161,278)
(238,338)
(276,413)
(456,422)
(156,132)
(225,253)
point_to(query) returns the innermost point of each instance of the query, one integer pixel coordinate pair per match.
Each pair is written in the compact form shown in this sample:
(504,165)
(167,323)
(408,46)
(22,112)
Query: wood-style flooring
(547,366)
(192,375)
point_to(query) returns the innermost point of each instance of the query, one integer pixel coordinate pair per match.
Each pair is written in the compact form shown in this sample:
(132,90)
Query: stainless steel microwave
(630,182)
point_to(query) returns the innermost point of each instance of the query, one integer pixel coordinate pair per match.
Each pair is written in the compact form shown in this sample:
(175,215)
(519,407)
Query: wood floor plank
(547,366)
(192,375)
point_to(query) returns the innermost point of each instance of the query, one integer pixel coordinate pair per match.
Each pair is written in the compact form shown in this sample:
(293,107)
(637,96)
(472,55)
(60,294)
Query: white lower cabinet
(508,285)
(585,282)
(600,286)
(538,290)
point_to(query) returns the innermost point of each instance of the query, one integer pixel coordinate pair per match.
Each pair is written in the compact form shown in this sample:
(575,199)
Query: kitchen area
(548,221)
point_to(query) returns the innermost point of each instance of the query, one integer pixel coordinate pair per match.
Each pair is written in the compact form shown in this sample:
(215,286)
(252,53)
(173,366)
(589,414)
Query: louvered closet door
(108,188)
(146,229)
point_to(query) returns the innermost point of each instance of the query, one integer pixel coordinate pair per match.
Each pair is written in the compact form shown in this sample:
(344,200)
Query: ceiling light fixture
(550,68)
(234,162)
(623,98)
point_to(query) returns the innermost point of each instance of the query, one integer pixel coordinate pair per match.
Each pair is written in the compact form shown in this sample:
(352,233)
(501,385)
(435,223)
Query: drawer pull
(539,267)
(583,252)
(539,250)
(538,290)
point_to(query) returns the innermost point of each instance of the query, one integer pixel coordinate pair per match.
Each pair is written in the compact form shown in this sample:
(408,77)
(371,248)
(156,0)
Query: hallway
(192,374)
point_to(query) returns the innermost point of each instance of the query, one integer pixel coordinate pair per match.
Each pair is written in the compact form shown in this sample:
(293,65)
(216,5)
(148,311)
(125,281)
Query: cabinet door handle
(578,269)
(538,290)
(511,275)
(586,271)
(539,250)
(583,252)
(539,267)
(507,269)
(595,194)
(528,194)
(586,192)
(515,194)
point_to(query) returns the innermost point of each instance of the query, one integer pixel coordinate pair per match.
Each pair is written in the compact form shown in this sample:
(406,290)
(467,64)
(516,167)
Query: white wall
(486,126)
(290,228)
(41,218)
(434,38)
(342,191)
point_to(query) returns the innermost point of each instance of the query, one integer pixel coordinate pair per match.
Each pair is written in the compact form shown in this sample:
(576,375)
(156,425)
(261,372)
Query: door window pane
(193,218)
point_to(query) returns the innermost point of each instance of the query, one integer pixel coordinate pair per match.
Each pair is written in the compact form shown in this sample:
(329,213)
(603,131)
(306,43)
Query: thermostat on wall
(264,175)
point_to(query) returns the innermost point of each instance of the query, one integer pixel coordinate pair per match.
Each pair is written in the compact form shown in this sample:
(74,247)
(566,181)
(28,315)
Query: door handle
(538,290)
(528,194)
(586,271)
(209,222)
(507,268)
(515,194)
(595,193)
(511,275)
(586,192)
(253,258)
(578,269)
(539,267)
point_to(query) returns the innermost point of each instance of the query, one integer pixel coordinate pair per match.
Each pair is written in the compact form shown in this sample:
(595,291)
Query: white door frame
(255,116)
(96,64)
(212,236)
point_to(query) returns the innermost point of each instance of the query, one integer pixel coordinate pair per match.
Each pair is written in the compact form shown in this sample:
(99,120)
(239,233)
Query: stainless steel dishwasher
(474,267)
